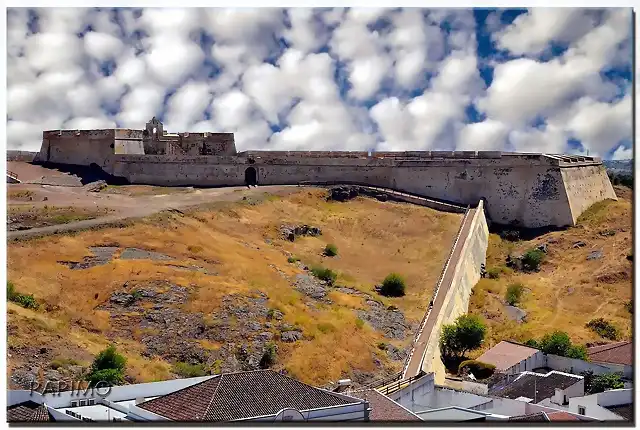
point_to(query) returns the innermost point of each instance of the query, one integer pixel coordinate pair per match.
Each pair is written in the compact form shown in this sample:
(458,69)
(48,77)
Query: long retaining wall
(456,300)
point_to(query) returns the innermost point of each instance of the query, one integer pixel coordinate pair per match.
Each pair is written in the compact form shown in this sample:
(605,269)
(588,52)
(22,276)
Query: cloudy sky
(550,80)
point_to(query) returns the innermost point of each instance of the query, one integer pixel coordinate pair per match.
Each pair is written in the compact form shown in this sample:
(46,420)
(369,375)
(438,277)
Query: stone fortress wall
(528,190)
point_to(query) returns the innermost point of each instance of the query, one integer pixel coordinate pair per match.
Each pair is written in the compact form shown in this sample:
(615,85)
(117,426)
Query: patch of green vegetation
(559,343)
(494,273)
(464,335)
(325,274)
(393,286)
(24,300)
(292,259)
(514,294)
(63,363)
(136,294)
(187,370)
(603,328)
(532,259)
(595,213)
(599,383)
(382,346)
(359,323)
(331,250)
(108,367)
(326,328)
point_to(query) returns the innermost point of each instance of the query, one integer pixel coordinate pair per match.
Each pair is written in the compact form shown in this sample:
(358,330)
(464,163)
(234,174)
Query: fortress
(524,190)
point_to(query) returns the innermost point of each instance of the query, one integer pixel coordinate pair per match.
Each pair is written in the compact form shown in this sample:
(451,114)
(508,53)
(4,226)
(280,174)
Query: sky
(554,80)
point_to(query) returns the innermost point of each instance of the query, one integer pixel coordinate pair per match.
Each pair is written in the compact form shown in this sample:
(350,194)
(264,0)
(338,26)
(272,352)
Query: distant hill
(619,166)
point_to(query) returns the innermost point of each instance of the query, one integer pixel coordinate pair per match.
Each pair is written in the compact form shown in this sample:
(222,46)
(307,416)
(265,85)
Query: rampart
(466,273)
(526,190)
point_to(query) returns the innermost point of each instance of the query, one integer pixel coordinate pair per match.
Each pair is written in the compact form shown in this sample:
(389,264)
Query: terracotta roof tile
(236,396)
(383,408)
(507,354)
(562,416)
(616,353)
(28,412)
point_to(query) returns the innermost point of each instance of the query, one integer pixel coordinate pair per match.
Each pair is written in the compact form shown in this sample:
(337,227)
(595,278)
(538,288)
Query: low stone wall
(456,302)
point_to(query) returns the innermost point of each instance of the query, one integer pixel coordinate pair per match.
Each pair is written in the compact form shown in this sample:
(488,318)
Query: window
(83,402)
(74,403)
(566,400)
(582,410)
(91,402)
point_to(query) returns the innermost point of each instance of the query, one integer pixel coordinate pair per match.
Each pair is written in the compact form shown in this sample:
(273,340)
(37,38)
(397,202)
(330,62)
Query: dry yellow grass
(569,290)
(373,239)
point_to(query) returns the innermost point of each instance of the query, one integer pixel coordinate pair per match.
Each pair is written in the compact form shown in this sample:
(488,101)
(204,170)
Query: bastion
(521,189)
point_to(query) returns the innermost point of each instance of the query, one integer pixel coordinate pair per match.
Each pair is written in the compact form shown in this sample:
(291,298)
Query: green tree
(466,334)
(599,383)
(393,286)
(108,367)
(557,343)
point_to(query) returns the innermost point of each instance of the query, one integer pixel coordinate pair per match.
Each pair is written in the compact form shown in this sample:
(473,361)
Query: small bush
(532,343)
(293,260)
(494,273)
(269,356)
(187,370)
(62,362)
(603,328)
(359,323)
(532,259)
(24,300)
(629,306)
(137,295)
(331,250)
(108,366)
(479,369)
(514,294)
(382,346)
(326,328)
(325,274)
(393,286)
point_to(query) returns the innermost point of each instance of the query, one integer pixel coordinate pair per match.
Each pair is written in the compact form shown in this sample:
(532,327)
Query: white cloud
(622,153)
(532,32)
(337,84)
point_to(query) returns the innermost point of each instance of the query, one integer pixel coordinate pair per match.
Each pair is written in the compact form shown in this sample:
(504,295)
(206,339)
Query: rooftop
(533,386)
(242,395)
(28,412)
(625,411)
(615,353)
(559,416)
(507,354)
(383,408)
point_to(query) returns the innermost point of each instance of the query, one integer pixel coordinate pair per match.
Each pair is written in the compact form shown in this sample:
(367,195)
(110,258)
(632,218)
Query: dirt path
(415,363)
(152,205)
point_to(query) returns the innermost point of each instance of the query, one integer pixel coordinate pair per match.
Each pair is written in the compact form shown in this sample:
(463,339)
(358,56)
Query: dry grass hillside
(240,255)
(571,287)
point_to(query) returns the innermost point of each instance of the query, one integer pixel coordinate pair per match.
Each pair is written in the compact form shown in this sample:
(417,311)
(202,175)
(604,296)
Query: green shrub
(532,343)
(479,369)
(514,294)
(331,250)
(137,295)
(26,301)
(599,383)
(359,323)
(577,351)
(382,346)
(393,286)
(269,356)
(293,260)
(325,274)
(494,273)
(187,370)
(108,366)
(603,328)
(532,259)
(558,343)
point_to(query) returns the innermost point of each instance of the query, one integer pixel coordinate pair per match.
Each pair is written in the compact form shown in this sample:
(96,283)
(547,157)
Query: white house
(611,405)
